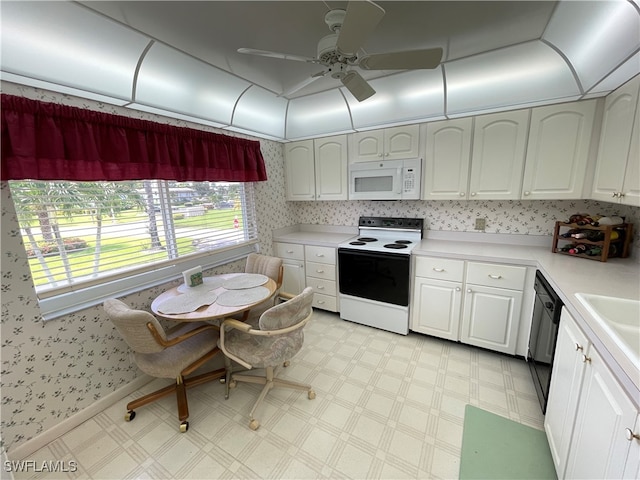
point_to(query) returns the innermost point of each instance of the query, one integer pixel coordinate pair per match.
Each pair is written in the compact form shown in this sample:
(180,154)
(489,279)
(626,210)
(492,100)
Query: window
(86,241)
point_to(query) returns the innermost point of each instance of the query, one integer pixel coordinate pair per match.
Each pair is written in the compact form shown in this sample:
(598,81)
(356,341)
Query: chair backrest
(288,313)
(132,325)
(266,265)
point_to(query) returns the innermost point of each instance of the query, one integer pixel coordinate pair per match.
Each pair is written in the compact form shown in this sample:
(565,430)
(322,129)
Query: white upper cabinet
(447,157)
(388,144)
(316,169)
(558,151)
(299,170)
(497,161)
(331,168)
(617,175)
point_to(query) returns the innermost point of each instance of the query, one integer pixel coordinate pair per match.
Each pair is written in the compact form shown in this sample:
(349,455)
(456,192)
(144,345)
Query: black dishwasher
(542,340)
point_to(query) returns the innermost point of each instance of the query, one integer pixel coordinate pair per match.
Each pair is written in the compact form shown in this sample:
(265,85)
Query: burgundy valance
(47,141)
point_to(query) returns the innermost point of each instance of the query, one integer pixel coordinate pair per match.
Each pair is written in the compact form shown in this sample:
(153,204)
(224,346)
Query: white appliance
(374,272)
(386,180)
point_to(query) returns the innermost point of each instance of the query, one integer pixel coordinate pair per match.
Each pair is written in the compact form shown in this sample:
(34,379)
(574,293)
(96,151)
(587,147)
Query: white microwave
(385,180)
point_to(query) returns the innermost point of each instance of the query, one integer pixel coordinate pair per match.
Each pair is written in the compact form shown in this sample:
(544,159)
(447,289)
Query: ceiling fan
(338,52)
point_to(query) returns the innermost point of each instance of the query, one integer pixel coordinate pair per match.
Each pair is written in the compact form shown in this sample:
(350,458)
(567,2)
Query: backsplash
(522,217)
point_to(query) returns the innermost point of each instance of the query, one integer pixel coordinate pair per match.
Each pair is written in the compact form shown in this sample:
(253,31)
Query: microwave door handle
(400,181)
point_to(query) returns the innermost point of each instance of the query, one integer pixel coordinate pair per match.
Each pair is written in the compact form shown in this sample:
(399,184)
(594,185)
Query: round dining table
(213,310)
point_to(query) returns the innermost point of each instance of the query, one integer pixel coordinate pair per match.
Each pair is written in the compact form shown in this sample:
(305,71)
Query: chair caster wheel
(286,363)
(223,380)
(254,424)
(130,415)
(184,426)
(311,394)
(233,384)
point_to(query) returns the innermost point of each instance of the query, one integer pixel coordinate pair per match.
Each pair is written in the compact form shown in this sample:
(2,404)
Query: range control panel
(392,223)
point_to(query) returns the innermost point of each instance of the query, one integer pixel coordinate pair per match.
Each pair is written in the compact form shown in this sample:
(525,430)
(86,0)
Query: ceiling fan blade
(300,85)
(357,85)
(409,60)
(360,21)
(285,56)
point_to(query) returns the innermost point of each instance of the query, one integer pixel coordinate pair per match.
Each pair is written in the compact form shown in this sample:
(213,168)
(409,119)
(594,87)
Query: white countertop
(567,275)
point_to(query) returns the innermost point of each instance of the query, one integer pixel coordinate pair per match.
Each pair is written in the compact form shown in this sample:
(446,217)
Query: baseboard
(23,451)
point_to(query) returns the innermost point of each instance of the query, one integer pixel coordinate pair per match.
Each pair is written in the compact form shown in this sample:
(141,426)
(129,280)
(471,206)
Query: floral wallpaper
(50,371)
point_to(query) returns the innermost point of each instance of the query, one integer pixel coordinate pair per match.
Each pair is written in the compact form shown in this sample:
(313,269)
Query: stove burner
(367,239)
(404,242)
(357,243)
(395,246)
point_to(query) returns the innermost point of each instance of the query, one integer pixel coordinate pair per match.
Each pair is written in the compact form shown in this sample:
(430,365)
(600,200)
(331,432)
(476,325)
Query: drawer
(319,285)
(325,302)
(320,254)
(495,275)
(321,270)
(440,268)
(294,251)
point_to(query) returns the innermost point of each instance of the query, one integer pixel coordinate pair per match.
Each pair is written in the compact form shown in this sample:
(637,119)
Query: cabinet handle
(579,347)
(379,154)
(495,277)
(320,302)
(386,154)
(439,270)
(320,287)
(468,290)
(462,194)
(620,194)
(473,194)
(630,435)
(289,251)
(615,195)
(586,359)
(319,255)
(319,271)
(458,289)
(527,194)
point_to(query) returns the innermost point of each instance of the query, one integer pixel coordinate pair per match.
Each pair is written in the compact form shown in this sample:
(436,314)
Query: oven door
(379,276)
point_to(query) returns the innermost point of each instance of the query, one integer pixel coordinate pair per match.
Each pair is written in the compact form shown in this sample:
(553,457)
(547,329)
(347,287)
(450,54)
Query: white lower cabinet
(292,255)
(481,307)
(590,420)
(320,265)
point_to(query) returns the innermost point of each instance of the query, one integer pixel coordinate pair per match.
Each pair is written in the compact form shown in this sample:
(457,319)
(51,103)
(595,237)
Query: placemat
(246,280)
(246,296)
(208,283)
(187,303)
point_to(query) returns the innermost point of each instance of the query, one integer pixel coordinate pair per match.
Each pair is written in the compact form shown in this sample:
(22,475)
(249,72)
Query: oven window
(374,184)
(383,277)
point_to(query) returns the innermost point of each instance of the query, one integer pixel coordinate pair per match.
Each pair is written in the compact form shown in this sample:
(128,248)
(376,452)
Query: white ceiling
(181,57)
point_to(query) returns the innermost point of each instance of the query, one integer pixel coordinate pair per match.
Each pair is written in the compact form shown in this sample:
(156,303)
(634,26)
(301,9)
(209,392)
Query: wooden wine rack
(622,242)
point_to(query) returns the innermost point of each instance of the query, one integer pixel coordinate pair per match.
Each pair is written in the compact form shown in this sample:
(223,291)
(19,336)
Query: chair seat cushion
(263,351)
(170,362)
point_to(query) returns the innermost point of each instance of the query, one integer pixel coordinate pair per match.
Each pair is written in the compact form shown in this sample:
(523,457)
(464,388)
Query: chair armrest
(286,295)
(238,325)
(180,338)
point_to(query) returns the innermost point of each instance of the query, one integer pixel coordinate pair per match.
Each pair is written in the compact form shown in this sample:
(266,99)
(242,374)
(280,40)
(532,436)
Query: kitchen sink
(619,316)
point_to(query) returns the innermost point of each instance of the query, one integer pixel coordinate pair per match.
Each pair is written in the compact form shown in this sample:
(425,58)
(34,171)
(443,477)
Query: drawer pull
(630,435)
(439,270)
(458,289)
(319,271)
(320,287)
(586,359)
(495,277)
(320,255)
(579,347)
(289,251)
(320,302)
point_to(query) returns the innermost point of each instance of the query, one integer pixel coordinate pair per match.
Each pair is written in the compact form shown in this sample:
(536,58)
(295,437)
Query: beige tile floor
(388,406)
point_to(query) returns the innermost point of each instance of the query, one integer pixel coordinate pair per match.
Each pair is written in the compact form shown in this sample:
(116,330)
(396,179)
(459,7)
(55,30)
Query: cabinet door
(615,138)
(558,151)
(491,317)
(631,184)
(401,142)
(599,446)
(632,465)
(300,170)
(566,380)
(446,170)
(293,277)
(366,146)
(436,308)
(331,168)
(497,161)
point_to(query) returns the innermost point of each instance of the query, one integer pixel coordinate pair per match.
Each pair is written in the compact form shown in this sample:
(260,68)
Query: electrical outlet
(480,223)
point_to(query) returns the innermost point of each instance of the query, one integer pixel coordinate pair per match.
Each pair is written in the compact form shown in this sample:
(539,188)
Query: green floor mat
(494,447)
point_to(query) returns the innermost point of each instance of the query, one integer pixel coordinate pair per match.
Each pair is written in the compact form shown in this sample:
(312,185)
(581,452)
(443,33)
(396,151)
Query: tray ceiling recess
(290,82)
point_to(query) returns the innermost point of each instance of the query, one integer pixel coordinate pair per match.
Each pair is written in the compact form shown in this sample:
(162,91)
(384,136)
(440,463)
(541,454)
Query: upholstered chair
(170,354)
(278,337)
(270,267)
